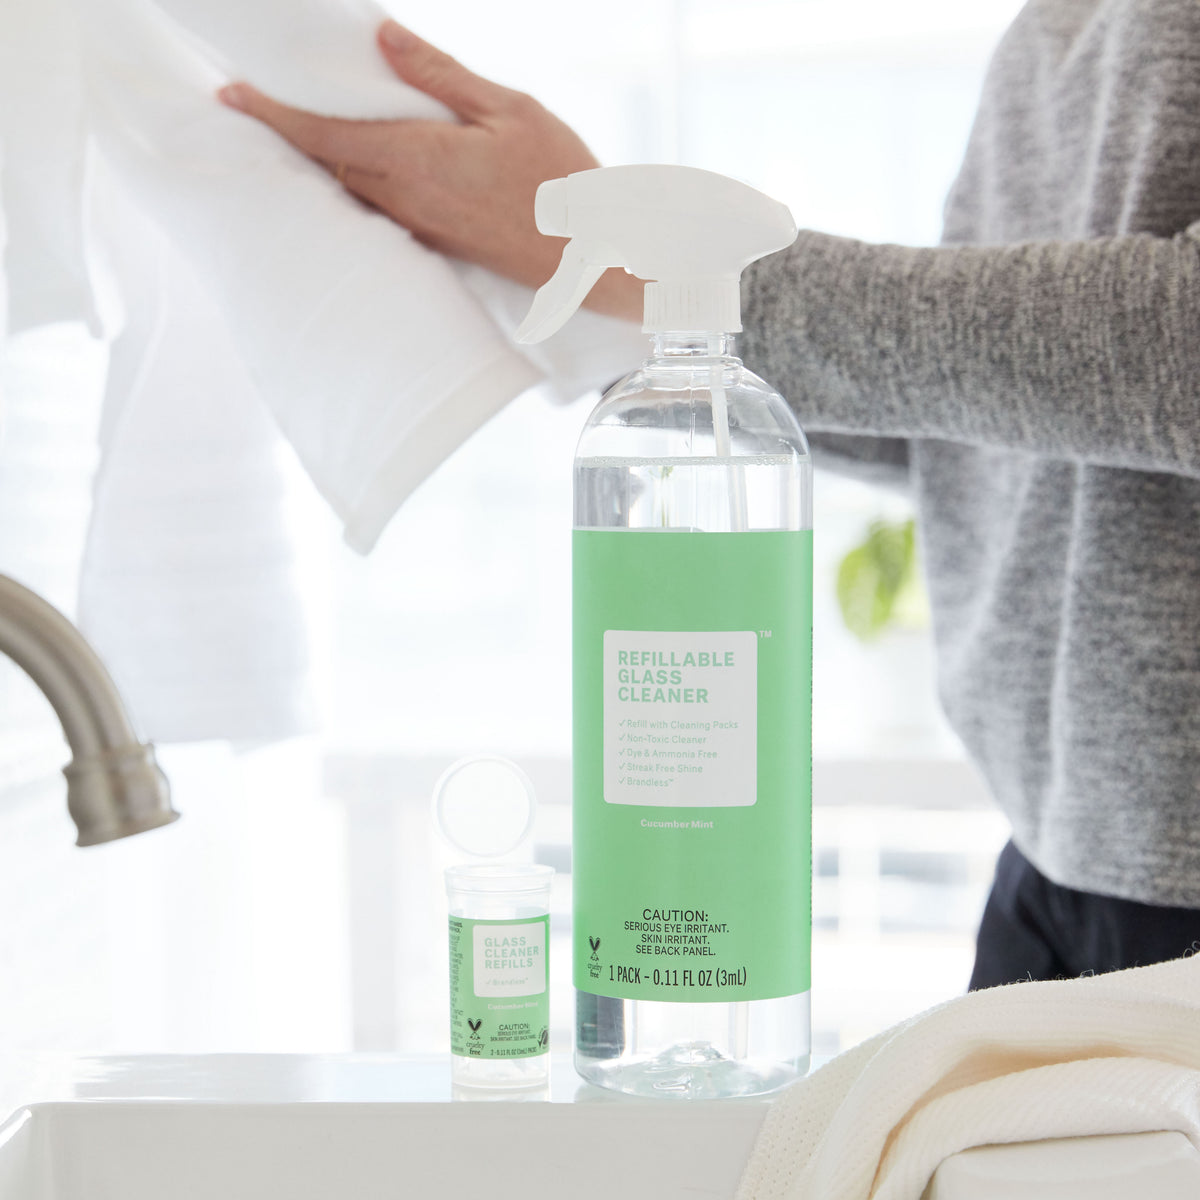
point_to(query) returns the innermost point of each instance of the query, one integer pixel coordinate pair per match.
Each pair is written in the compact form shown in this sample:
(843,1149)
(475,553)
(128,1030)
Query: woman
(1034,381)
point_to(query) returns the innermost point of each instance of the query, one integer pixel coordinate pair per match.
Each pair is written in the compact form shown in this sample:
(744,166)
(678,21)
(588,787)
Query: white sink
(126,1150)
(109,1143)
(381,1127)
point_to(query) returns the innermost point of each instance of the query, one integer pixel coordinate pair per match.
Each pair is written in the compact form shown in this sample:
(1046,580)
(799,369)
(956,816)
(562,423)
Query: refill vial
(499,930)
(692,656)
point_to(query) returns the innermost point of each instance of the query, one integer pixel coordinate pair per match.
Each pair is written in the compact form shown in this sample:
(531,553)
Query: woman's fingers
(464,188)
(343,146)
(435,73)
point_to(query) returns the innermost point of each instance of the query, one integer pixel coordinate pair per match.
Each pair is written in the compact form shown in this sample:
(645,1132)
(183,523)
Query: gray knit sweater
(1037,381)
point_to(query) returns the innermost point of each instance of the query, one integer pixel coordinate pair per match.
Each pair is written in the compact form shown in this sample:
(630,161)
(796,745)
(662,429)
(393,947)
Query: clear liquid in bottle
(693,442)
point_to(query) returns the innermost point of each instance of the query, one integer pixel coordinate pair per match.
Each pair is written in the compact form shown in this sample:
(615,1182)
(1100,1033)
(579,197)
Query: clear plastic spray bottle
(692,654)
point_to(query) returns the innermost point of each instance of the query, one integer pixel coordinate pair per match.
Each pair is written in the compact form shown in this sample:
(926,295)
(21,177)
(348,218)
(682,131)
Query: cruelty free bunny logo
(594,942)
(474,1024)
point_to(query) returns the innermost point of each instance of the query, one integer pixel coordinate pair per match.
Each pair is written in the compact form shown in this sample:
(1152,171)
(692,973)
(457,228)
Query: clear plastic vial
(499,932)
(693,442)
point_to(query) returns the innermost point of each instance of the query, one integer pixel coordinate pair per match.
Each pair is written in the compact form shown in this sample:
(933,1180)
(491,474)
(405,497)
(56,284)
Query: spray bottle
(692,570)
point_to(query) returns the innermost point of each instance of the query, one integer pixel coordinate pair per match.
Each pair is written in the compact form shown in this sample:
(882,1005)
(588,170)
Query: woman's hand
(465,189)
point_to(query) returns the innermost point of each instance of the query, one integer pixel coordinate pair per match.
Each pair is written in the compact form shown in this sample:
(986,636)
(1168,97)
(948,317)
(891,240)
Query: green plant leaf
(875,575)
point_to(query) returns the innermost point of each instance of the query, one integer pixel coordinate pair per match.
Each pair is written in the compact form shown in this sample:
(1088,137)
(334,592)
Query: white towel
(321,55)
(374,357)
(190,583)
(42,191)
(366,348)
(1117,1053)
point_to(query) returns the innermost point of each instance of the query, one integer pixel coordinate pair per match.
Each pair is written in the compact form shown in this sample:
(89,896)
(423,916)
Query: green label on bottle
(693,762)
(499,998)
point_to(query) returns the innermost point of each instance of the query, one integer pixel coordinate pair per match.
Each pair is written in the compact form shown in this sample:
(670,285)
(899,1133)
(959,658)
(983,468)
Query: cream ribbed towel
(1117,1053)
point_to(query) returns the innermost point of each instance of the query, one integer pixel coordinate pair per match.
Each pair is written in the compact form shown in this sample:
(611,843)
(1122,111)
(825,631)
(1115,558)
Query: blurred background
(298,905)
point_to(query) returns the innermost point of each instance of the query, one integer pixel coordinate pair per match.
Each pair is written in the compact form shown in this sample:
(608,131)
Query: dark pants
(1035,929)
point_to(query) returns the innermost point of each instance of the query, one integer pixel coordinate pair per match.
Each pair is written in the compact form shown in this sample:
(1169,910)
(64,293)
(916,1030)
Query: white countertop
(270,1079)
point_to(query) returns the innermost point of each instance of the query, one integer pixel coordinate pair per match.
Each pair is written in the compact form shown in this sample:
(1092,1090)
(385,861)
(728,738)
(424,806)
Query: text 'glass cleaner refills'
(692,654)
(499,929)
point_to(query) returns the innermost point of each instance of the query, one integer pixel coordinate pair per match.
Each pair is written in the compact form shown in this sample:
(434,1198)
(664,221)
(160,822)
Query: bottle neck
(685,347)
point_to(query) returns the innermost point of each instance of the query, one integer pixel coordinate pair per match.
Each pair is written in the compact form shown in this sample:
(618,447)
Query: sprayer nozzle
(550,208)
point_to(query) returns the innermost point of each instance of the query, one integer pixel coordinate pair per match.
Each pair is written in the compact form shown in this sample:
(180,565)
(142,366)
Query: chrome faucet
(114,786)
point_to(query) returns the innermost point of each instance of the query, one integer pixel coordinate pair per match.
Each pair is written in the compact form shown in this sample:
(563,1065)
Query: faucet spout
(115,787)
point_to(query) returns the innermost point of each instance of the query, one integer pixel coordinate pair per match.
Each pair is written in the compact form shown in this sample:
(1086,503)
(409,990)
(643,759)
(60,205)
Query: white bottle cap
(690,232)
(484,806)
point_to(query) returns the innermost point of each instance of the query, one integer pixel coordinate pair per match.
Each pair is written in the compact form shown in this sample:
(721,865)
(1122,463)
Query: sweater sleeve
(882,462)
(1087,350)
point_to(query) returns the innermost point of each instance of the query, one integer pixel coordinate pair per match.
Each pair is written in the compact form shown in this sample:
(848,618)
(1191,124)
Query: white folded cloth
(42,188)
(1116,1053)
(373,355)
(321,55)
(190,582)
(368,351)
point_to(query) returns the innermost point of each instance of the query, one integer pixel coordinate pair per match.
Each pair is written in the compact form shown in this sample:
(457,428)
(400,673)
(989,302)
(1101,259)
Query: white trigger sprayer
(689,233)
(692,616)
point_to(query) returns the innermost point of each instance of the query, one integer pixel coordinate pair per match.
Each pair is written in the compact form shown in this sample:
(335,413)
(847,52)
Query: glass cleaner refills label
(499,998)
(692,812)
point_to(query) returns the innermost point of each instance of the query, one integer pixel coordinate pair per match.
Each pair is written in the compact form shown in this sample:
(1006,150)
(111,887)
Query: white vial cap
(484,806)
